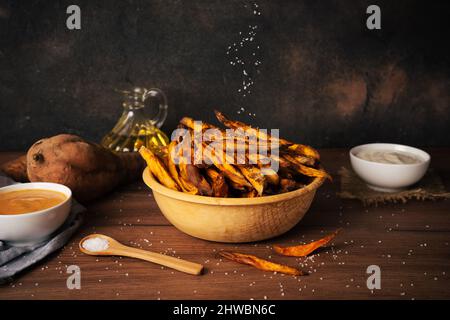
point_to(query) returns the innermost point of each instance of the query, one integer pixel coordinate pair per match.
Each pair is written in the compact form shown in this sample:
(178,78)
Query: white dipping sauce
(389,156)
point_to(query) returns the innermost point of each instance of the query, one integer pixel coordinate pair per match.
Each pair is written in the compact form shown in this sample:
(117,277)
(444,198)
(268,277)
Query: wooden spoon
(115,248)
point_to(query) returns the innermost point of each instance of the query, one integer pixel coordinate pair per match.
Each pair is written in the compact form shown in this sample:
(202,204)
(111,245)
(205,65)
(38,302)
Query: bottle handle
(156,93)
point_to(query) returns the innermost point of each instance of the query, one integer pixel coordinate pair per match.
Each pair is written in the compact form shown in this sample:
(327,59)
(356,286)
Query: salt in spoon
(115,248)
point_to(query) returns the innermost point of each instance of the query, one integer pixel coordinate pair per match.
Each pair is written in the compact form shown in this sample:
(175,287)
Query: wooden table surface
(409,242)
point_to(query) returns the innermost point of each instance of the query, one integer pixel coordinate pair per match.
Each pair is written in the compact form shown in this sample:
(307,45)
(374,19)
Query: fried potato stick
(192,174)
(251,194)
(158,169)
(261,264)
(287,185)
(231,173)
(190,123)
(299,148)
(263,160)
(305,150)
(240,125)
(305,249)
(237,187)
(185,185)
(218,183)
(271,176)
(307,171)
(301,159)
(226,168)
(255,177)
(219,154)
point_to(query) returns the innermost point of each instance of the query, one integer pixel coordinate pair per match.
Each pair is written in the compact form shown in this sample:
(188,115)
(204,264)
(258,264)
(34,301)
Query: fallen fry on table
(305,249)
(261,264)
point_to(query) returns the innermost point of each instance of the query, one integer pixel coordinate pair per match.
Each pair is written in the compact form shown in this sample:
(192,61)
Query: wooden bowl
(232,219)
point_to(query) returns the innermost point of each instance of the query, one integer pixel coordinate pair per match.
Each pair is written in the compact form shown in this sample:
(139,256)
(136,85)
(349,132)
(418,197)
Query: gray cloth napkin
(15,259)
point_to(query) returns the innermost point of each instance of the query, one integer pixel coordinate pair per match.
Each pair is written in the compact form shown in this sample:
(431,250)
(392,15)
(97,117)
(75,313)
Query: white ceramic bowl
(34,227)
(389,177)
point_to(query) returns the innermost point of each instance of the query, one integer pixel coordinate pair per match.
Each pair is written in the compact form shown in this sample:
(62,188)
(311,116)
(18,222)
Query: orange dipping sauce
(29,200)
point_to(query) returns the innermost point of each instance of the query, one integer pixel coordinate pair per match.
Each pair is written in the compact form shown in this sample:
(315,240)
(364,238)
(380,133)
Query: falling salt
(95,244)
(244,53)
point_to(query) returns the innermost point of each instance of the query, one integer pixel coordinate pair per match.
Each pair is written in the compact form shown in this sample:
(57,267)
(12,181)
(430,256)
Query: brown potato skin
(88,169)
(16,169)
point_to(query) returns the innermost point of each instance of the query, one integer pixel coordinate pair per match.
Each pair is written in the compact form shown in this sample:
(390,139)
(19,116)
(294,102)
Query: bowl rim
(153,184)
(390,145)
(41,185)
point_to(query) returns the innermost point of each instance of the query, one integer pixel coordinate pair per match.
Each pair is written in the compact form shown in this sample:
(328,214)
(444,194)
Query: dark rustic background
(320,75)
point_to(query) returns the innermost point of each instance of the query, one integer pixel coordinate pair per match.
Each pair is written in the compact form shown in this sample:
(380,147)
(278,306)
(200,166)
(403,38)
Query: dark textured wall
(315,71)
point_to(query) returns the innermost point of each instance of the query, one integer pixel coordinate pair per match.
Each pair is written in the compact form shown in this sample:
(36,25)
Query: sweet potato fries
(252,163)
(261,264)
(294,251)
(305,249)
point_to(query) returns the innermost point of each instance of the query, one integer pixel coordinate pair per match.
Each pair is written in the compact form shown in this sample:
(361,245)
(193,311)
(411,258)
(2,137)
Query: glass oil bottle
(136,127)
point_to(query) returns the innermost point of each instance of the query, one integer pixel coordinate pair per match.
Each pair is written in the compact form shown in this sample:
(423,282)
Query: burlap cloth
(429,188)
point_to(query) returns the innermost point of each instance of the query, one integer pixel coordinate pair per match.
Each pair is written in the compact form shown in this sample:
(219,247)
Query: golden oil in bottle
(152,138)
(135,128)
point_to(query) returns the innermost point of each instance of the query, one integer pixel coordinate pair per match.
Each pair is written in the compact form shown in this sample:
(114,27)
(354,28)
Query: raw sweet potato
(88,169)
(16,169)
